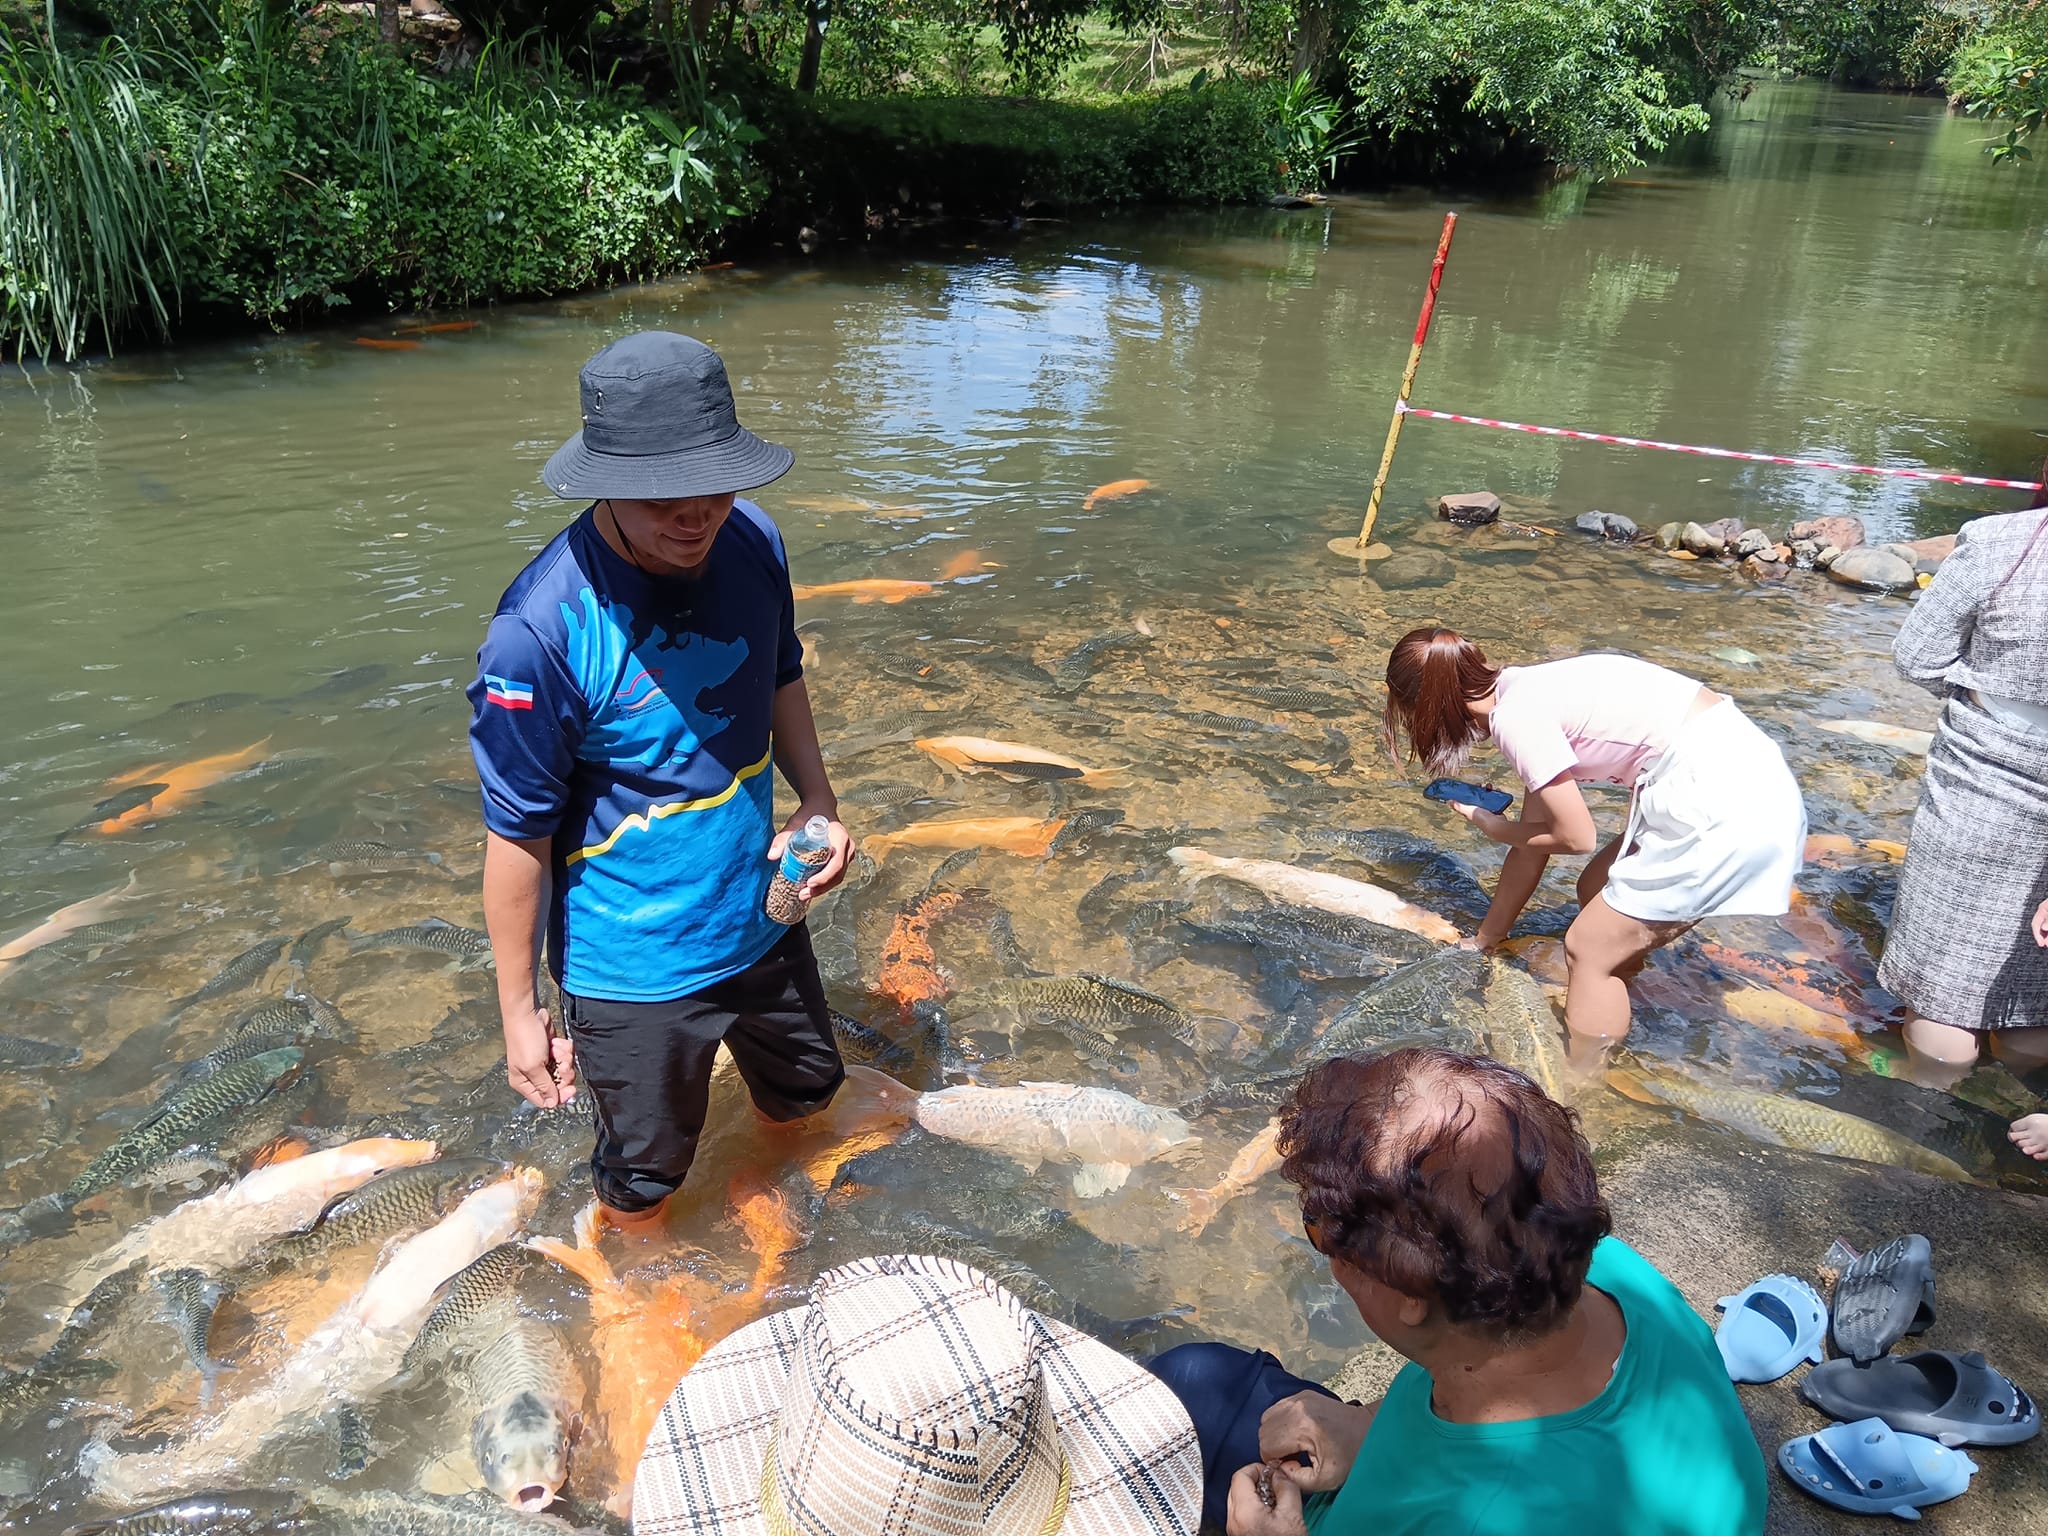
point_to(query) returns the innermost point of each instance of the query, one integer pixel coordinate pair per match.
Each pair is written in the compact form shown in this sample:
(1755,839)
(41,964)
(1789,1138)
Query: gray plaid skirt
(1960,951)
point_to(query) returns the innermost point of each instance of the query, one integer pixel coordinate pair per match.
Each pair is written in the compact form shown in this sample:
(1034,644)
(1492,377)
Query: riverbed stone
(1469,509)
(1842,532)
(1696,540)
(1413,569)
(1874,570)
(1805,553)
(1754,541)
(1606,525)
(1726,529)
(1714,1212)
(1668,536)
(1829,554)
(1929,553)
(1763,566)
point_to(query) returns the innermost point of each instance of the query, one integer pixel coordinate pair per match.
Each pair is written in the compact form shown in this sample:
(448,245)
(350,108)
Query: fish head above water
(522,1450)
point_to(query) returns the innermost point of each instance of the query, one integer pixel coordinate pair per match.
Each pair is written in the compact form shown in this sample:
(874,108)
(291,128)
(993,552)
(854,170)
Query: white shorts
(1717,829)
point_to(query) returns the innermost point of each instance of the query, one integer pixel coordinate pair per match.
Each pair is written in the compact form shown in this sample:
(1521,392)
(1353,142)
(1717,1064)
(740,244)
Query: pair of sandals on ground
(1900,1418)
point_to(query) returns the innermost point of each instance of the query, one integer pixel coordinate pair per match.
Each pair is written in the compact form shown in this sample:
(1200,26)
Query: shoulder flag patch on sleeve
(507,694)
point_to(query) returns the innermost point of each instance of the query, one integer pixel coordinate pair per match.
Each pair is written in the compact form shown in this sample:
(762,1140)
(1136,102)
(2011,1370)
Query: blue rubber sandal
(1868,1468)
(1771,1326)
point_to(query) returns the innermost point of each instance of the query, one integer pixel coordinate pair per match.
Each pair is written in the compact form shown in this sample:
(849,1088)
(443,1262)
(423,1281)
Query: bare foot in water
(2030,1135)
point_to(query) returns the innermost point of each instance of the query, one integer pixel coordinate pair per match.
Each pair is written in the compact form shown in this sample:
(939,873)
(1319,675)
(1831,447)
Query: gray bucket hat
(659,423)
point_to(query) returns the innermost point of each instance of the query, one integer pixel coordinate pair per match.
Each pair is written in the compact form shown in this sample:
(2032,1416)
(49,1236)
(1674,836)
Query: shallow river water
(274,558)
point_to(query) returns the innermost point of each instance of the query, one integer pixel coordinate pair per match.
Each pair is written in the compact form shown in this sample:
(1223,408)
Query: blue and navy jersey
(627,718)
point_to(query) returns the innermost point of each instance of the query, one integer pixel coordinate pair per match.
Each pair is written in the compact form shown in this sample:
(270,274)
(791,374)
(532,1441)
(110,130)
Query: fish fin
(282,1149)
(1100,1179)
(586,1264)
(1107,778)
(1631,1084)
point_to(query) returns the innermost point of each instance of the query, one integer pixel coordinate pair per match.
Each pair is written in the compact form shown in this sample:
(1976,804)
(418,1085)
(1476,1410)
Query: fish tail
(1202,1206)
(1632,1084)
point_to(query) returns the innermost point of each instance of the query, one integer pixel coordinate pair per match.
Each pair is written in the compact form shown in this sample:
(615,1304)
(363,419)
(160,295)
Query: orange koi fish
(386,344)
(1116,490)
(643,1337)
(80,914)
(1837,995)
(910,971)
(869,589)
(1774,1010)
(967,563)
(181,784)
(439,328)
(1026,835)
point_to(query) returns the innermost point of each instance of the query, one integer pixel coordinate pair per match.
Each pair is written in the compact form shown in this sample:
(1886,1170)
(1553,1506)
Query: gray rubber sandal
(1883,1296)
(1956,1399)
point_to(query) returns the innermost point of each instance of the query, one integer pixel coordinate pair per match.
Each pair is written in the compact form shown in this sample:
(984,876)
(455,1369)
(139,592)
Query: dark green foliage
(838,162)
(2002,74)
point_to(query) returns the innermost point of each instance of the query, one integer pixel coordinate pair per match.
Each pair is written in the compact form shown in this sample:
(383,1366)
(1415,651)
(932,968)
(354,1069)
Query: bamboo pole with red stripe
(1379,481)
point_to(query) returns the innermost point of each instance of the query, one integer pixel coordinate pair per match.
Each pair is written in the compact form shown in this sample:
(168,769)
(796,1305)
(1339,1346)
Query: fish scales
(1089,999)
(1227,725)
(478,1286)
(401,1514)
(1522,1030)
(1101,898)
(187,1114)
(307,945)
(236,1512)
(1311,701)
(882,794)
(192,1299)
(401,1200)
(1107,1132)
(1261,1090)
(862,1042)
(1423,994)
(1083,824)
(434,934)
(20,1051)
(250,966)
(1790,1122)
(1071,675)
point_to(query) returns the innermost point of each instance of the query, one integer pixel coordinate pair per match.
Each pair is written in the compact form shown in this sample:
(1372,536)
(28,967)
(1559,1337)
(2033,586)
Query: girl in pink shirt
(1716,825)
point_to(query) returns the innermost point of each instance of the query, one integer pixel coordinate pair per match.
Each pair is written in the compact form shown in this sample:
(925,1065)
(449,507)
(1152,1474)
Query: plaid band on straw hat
(916,1397)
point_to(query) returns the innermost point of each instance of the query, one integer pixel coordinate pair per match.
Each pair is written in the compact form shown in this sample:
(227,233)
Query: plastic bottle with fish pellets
(808,847)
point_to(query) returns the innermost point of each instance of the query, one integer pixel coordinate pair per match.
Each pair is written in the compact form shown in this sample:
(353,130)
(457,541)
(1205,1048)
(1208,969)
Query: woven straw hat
(916,1397)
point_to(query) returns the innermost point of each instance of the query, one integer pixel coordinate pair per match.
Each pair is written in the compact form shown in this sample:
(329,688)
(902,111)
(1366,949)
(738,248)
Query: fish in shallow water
(1115,490)
(1785,1122)
(1255,1159)
(192,1298)
(1522,1029)
(1071,675)
(1309,701)
(1315,888)
(388,344)
(1026,835)
(863,1043)
(471,946)
(1427,996)
(645,1333)
(188,1115)
(380,1512)
(1774,1010)
(182,784)
(511,1372)
(1211,723)
(230,1512)
(1359,945)
(307,945)
(1102,1002)
(1106,1132)
(1816,985)
(871,589)
(1010,760)
(1084,824)
(20,1051)
(355,1351)
(247,968)
(910,972)
(1900,738)
(65,921)
(882,794)
(359,856)
(221,1230)
(401,1200)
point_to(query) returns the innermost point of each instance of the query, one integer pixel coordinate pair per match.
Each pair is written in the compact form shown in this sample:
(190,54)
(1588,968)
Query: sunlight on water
(257,573)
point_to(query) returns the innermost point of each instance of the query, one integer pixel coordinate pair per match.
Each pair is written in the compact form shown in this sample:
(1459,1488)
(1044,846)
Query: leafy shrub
(2002,74)
(1565,81)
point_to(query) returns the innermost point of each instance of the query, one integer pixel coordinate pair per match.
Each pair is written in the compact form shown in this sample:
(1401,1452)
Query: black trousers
(647,1066)
(1226,1391)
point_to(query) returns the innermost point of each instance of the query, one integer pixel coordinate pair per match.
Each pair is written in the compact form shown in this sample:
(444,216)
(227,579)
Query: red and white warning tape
(1722,453)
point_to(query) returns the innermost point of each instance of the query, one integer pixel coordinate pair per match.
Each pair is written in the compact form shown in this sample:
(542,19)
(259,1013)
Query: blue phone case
(1458,791)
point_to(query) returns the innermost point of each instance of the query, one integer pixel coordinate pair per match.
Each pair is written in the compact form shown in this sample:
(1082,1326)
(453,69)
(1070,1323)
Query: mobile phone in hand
(1458,792)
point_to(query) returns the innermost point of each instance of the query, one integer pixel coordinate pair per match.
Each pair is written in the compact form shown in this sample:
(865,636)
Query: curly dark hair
(1450,1178)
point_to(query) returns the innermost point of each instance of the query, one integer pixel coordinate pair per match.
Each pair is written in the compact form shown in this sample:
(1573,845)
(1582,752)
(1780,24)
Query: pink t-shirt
(1600,719)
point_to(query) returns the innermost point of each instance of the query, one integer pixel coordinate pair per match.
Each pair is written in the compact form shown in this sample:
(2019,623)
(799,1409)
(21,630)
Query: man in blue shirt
(639,679)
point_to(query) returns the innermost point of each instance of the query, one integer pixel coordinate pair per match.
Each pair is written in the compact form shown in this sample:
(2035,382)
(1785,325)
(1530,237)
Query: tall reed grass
(87,234)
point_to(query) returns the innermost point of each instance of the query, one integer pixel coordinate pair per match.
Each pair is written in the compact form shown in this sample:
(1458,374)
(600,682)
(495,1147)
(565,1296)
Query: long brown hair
(1431,676)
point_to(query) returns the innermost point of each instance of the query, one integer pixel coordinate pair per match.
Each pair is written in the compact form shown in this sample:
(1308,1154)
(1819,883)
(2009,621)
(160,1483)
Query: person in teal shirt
(1557,1384)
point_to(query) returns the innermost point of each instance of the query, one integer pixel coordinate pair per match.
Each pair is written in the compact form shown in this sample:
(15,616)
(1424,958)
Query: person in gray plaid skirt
(1968,946)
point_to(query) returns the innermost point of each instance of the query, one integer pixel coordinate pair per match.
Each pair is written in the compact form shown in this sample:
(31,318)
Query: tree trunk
(816,14)
(702,14)
(387,23)
(661,17)
(1312,38)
